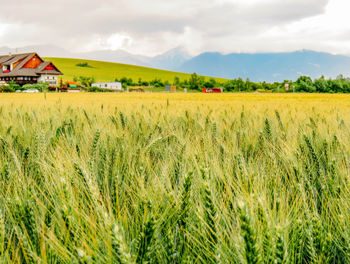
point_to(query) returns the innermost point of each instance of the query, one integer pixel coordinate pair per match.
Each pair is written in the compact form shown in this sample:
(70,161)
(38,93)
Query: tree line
(196,82)
(306,84)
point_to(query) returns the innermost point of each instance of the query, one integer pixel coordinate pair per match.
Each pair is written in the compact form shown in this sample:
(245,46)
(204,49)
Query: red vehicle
(211,90)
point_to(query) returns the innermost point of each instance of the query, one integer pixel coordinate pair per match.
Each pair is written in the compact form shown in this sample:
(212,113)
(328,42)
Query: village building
(27,68)
(170,88)
(212,90)
(108,85)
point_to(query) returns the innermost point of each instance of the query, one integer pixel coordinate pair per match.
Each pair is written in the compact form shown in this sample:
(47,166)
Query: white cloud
(3,29)
(112,42)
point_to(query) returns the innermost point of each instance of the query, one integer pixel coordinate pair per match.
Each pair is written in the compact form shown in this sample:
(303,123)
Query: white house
(48,78)
(117,86)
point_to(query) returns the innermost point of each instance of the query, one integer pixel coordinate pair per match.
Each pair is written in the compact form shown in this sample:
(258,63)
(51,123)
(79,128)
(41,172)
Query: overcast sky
(151,27)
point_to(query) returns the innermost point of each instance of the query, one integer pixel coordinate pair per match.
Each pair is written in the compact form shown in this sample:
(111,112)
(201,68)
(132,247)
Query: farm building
(108,85)
(72,85)
(170,88)
(212,90)
(27,68)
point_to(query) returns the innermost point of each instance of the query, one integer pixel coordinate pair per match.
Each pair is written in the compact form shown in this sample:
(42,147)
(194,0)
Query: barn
(27,68)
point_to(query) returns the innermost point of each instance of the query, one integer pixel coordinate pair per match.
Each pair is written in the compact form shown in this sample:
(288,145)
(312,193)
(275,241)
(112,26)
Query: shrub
(95,89)
(83,64)
(41,87)
(7,89)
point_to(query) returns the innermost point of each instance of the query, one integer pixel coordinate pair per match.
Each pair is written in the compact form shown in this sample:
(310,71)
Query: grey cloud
(288,10)
(155,15)
(230,19)
(71,21)
(91,17)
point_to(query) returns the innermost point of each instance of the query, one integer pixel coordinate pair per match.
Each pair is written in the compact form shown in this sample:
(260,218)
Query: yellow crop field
(174,178)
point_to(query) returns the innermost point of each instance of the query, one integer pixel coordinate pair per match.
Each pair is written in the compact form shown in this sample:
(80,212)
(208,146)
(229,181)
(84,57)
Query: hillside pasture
(108,71)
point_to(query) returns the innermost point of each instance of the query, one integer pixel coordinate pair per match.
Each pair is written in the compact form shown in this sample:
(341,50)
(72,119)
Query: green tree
(229,86)
(157,82)
(321,85)
(194,82)
(337,86)
(305,84)
(240,84)
(86,81)
(247,84)
(176,81)
(209,84)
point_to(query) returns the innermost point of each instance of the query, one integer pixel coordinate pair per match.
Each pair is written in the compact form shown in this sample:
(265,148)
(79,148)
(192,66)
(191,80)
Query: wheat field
(174,178)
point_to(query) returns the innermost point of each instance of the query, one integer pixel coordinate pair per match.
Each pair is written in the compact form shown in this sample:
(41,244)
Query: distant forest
(306,84)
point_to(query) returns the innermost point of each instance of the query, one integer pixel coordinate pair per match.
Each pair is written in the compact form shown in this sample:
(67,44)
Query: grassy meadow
(174,178)
(108,71)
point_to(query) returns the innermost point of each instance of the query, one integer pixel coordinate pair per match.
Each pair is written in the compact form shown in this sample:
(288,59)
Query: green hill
(108,71)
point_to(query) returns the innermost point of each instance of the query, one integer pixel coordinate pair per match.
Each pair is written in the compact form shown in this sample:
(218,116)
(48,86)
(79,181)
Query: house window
(6,68)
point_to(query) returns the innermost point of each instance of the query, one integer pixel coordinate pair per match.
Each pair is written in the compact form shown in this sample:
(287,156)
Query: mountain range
(256,66)
(170,60)
(269,66)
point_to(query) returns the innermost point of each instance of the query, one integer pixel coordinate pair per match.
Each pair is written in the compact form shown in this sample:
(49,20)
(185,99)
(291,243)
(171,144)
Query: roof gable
(32,62)
(48,67)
